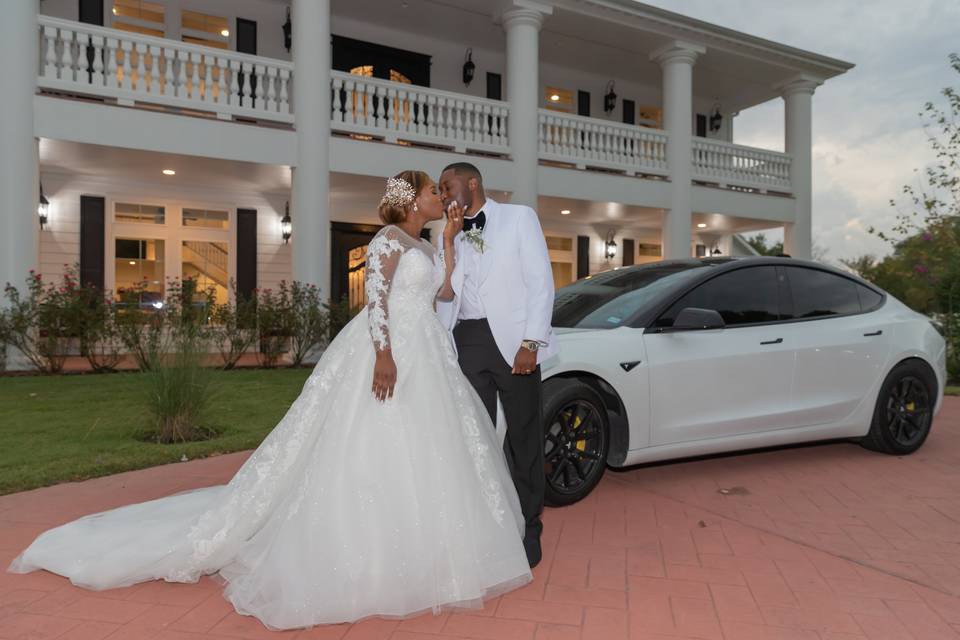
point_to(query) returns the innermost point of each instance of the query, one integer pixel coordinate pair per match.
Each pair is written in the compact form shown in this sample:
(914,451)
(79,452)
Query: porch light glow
(133,262)
(43,208)
(225,33)
(565,212)
(286,224)
(554,97)
(610,247)
(169,172)
(702,225)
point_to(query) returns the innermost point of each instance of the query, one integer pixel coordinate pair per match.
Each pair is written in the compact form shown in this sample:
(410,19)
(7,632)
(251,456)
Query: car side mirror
(693,319)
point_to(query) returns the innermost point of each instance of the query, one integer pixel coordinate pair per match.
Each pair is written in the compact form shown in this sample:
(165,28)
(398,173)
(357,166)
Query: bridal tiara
(399,193)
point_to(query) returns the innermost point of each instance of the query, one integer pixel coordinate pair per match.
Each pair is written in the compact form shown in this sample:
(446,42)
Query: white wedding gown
(350,507)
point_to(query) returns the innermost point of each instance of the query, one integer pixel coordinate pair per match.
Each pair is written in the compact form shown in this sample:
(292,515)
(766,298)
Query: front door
(349,262)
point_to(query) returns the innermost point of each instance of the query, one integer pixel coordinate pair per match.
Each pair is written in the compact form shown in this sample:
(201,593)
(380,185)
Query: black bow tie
(476,222)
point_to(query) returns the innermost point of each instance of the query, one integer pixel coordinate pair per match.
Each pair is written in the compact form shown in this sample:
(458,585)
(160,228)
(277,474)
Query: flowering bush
(234,327)
(41,323)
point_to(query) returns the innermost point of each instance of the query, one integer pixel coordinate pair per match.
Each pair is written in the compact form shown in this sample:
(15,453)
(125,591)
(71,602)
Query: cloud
(868,138)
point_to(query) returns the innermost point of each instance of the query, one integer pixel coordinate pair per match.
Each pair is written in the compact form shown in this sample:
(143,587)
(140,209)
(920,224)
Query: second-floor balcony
(136,70)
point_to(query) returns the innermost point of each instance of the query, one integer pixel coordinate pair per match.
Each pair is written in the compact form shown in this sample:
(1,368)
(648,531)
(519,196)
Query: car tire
(904,411)
(576,440)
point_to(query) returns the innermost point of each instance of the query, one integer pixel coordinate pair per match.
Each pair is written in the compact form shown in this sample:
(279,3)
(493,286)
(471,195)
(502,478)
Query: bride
(382,491)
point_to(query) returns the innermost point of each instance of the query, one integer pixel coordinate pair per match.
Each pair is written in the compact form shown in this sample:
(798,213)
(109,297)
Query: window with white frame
(139,271)
(562,259)
(139,213)
(139,16)
(205,29)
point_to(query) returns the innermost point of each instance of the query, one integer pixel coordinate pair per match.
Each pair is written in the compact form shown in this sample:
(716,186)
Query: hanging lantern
(610,247)
(609,98)
(716,119)
(287,31)
(43,208)
(468,68)
(286,224)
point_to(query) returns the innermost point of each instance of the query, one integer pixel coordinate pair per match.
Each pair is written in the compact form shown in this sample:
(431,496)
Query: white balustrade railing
(396,111)
(738,166)
(132,67)
(589,142)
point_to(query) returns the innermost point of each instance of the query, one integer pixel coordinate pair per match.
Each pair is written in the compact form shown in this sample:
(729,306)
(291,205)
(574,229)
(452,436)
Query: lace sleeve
(383,256)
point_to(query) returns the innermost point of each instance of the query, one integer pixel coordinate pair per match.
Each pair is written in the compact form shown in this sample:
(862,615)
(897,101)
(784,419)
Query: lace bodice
(403,276)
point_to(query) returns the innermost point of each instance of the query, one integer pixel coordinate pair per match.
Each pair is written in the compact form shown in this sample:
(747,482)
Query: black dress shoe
(531,544)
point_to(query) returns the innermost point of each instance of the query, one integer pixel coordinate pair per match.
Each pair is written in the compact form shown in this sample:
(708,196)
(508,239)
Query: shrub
(234,327)
(271,328)
(306,319)
(41,323)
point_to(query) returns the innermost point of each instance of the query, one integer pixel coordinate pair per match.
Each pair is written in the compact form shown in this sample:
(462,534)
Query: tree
(759,244)
(924,269)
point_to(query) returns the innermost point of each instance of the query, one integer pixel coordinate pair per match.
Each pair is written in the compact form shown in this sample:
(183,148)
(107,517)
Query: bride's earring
(415,208)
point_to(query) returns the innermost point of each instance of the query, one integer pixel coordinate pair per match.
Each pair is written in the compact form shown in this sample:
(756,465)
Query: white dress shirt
(471,304)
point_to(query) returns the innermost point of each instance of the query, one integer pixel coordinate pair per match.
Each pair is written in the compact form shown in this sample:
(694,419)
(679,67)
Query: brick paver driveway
(821,542)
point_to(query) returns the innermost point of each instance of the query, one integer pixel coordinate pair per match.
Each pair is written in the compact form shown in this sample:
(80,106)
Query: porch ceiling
(613,39)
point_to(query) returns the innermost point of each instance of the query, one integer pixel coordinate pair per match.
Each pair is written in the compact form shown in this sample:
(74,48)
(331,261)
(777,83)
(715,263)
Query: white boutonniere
(475,238)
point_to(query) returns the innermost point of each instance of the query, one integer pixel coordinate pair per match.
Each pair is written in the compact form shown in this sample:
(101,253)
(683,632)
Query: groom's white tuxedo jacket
(515,280)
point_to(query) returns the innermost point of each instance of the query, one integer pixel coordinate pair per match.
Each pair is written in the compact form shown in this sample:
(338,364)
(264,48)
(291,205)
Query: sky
(868,136)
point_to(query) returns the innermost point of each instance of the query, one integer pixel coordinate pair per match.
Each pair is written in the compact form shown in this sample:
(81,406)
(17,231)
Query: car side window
(744,296)
(869,299)
(819,294)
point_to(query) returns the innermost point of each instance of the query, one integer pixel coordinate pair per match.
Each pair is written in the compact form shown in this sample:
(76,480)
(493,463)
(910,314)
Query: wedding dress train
(350,507)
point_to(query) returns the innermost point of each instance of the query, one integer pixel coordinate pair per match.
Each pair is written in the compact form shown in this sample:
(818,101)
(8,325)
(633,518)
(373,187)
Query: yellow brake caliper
(580,444)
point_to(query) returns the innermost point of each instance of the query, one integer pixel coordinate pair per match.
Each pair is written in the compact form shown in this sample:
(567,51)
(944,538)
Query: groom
(500,317)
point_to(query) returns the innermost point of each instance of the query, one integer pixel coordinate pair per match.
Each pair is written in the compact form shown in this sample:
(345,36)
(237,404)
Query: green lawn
(59,428)
(952,391)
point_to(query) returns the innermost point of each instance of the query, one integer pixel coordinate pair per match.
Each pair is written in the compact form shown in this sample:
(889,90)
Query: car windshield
(607,300)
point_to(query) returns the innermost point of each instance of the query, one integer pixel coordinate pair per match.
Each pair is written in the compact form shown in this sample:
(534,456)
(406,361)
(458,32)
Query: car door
(719,383)
(842,345)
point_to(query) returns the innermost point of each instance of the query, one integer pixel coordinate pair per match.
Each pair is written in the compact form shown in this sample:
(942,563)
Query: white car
(693,357)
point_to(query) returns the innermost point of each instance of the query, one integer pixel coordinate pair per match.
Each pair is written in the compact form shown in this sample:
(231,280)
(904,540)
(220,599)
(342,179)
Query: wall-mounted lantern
(43,208)
(287,32)
(468,67)
(286,224)
(609,98)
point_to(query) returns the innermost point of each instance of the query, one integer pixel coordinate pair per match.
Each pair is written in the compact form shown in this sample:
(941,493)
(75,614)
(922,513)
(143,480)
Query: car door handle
(875,333)
(777,341)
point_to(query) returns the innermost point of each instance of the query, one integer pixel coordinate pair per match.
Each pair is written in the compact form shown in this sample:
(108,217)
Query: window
(818,294)
(139,266)
(206,218)
(206,264)
(744,296)
(560,249)
(204,29)
(558,99)
(139,213)
(608,300)
(650,116)
(629,112)
(869,299)
(139,16)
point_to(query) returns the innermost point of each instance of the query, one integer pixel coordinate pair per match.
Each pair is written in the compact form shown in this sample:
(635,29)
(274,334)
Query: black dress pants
(490,375)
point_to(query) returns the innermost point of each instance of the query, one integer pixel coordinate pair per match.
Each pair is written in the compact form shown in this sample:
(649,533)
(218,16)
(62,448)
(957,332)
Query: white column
(311,180)
(19,172)
(521,21)
(676,61)
(798,131)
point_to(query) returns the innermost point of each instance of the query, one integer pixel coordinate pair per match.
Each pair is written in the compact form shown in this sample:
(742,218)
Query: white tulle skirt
(350,507)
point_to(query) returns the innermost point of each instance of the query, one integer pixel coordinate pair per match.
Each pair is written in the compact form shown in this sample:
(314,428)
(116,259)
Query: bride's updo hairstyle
(402,190)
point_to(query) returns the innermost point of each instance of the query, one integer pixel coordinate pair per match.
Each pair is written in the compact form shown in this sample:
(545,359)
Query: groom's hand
(525,362)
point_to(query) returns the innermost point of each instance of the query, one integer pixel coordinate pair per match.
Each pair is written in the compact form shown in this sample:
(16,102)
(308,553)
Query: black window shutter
(91,12)
(92,243)
(246,251)
(701,125)
(628,252)
(247,36)
(494,86)
(629,112)
(583,256)
(583,103)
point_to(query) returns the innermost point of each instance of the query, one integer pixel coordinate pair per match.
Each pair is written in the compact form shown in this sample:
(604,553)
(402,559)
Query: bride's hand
(454,222)
(384,375)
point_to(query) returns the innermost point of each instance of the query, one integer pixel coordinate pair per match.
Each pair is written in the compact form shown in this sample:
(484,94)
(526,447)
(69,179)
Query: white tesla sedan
(692,357)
